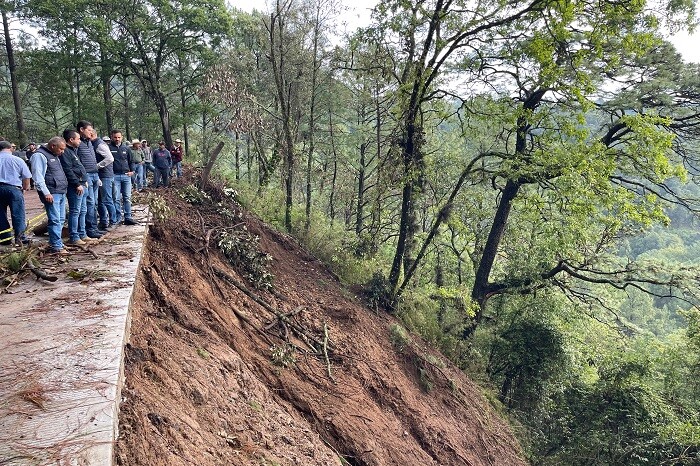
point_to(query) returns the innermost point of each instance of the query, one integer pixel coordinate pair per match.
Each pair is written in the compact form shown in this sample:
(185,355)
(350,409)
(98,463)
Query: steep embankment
(206,381)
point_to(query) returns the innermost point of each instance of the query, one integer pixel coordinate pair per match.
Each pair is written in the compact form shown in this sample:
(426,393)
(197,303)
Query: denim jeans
(122,196)
(158,174)
(12,197)
(105,205)
(56,213)
(177,168)
(148,167)
(138,180)
(77,209)
(91,203)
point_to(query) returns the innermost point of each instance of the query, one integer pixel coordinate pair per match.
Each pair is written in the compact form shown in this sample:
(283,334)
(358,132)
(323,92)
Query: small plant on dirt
(193,194)
(204,354)
(14,262)
(229,214)
(255,406)
(434,361)
(283,356)
(231,194)
(241,250)
(399,337)
(159,208)
(377,291)
(424,379)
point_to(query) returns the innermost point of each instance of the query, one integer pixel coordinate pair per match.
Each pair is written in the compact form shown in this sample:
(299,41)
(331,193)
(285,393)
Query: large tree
(542,70)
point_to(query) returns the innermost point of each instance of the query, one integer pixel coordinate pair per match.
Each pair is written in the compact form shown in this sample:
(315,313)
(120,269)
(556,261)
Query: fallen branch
(40,273)
(316,347)
(84,249)
(286,316)
(325,351)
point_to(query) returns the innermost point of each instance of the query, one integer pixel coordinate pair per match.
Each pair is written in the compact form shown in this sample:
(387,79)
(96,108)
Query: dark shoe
(59,252)
(130,221)
(95,234)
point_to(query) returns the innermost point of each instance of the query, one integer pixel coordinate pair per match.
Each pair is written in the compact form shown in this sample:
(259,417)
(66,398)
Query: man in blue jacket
(51,184)
(122,177)
(163,163)
(77,188)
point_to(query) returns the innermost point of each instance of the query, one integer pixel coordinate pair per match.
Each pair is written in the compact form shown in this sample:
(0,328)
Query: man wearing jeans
(105,201)
(122,177)
(86,153)
(138,179)
(177,153)
(14,180)
(77,188)
(52,185)
(163,163)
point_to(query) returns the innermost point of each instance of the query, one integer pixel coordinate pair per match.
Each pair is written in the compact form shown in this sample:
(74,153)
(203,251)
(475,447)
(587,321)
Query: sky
(358,14)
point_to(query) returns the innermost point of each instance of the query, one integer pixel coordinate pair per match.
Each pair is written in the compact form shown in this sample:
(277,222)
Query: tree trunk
(488,257)
(412,164)
(361,191)
(164,114)
(127,127)
(106,77)
(312,116)
(205,139)
(183,107)
(238,158)
(210,163)
(277,55)
(331,202)
(249,162)
(19,119)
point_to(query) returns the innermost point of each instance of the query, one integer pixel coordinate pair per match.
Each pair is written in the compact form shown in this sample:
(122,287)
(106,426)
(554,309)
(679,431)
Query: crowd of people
(88,177)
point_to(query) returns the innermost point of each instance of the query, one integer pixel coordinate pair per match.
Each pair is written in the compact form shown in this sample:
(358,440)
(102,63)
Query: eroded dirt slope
(206,381)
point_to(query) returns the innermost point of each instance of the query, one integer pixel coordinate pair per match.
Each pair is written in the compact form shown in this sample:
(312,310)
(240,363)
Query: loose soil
(213,377)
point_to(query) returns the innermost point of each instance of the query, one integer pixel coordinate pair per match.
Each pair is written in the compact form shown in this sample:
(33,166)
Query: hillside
(211,379)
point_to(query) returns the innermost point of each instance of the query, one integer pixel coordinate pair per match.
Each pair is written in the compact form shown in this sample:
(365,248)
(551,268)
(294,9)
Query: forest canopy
(515,180)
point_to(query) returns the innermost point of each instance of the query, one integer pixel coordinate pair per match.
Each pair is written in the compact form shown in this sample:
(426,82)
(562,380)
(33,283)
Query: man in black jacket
(122,177)
(77,188)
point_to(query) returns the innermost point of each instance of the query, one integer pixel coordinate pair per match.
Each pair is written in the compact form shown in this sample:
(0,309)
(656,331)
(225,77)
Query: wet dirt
(214,377)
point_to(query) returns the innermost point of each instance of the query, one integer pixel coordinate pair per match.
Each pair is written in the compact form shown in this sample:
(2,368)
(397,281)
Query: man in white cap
(177,153)
(138,179)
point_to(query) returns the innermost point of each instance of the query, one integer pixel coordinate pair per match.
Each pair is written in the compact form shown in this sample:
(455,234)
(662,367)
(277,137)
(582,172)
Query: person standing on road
(177,153)
(105,201)
(138,180)
(163,163)
(31,148)
(77,188)
(122,177)
(14,180)
(52,185)
(147,161)
(86,153)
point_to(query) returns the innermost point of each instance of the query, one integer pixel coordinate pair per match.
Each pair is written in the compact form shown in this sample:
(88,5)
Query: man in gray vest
(52,185)
(86,153)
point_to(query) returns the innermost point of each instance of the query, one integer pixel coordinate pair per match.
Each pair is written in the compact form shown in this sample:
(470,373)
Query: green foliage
(440,322)
(202,353)
(399,337)
(283,356)
(158,208)
(524,356)
(326,241)
(193,194)
(242,251)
